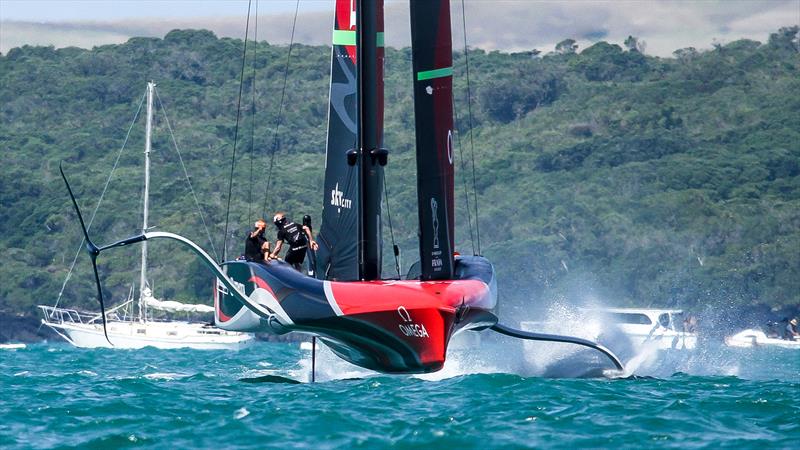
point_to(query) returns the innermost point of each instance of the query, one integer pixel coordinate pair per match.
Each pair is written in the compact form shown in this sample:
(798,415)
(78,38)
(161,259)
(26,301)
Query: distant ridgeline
(636,179)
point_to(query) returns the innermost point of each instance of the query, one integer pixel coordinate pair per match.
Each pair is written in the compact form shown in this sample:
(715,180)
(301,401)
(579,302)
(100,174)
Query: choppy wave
(487,398)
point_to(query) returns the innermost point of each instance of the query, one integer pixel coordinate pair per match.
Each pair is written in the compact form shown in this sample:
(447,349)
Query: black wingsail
(350,235)
(433,109)
(338,253)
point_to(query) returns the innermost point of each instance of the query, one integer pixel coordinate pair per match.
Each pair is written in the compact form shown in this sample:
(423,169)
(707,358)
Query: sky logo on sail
(338,200)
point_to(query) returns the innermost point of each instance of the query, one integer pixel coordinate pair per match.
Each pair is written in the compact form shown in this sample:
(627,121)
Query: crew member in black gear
(256,246)
(297,238)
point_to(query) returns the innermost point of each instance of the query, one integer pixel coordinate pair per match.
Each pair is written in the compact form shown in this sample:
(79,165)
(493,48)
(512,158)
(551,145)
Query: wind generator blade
(100,298)
(93,252)
(90,247)
(502,329)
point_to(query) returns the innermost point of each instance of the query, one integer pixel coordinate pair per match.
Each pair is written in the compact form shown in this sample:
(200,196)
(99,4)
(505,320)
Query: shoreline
(25,328)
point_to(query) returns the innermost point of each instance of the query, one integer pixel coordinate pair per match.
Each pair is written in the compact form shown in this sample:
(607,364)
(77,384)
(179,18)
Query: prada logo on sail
(338,200)
(435,216)
(436,254)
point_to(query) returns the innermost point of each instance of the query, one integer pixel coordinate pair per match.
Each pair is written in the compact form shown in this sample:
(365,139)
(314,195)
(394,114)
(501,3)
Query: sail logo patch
(409,328)
(436,254)
(435,215)
(450,146)
(338,199)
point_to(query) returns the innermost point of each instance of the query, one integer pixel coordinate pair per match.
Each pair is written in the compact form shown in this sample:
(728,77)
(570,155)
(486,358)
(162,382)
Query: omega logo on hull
(409,328)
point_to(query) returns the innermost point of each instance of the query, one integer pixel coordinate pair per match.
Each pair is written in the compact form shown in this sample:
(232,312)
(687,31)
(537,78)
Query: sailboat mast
(369,48)
(147,133)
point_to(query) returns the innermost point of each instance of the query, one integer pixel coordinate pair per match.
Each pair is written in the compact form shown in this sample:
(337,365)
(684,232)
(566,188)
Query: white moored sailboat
(127,328)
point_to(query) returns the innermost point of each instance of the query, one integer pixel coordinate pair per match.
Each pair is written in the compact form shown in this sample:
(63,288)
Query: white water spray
(487,352)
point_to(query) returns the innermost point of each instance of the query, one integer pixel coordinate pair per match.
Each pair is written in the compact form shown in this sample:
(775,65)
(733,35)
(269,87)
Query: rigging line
(186,175)
(253,122)
(391,229)
(469,109)
(236,135)
(464,179)
(99,201)
(280,108)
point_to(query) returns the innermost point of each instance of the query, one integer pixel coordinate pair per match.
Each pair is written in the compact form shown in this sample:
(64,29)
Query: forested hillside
(605,172)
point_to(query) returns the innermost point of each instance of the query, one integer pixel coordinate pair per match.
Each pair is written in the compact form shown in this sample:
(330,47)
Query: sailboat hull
(162,335)
(393,326)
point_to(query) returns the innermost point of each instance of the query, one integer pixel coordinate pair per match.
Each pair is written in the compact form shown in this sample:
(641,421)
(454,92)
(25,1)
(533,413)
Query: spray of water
(652,350)
(464,357)
(329,366)
(655,355)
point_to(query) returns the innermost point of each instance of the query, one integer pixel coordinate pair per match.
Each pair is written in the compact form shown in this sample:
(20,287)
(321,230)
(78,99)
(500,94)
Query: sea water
(56,396)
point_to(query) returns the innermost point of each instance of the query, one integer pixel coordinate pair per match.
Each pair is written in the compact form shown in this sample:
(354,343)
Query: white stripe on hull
(331,299)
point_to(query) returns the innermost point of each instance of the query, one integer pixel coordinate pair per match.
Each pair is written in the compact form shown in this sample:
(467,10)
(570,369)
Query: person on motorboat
(690,324)
(791,332)
(297,237)
(256,246)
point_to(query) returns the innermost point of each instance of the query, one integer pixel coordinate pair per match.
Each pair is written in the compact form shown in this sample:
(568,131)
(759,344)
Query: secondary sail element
(432,57)
(350,235)
(337,257)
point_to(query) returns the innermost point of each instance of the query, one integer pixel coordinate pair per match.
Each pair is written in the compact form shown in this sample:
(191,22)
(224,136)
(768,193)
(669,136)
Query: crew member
(297,238)
(791,332)
(256,246)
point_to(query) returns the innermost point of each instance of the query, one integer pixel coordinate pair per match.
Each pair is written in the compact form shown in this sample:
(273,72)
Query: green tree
(566,47)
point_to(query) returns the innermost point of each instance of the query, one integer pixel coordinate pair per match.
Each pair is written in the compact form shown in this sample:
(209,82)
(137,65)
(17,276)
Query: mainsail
(433,109)
(349,237)
(337,257)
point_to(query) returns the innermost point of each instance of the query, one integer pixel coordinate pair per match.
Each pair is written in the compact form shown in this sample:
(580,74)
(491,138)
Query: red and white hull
(394,326)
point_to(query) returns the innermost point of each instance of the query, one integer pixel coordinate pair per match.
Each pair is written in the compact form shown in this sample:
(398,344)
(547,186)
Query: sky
(505,25)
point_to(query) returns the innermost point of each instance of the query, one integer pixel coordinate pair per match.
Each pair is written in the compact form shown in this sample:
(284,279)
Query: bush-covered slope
(644,180)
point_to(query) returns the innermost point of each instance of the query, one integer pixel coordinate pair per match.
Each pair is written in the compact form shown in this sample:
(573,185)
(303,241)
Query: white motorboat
(757,338)
(646,328)
(662,329)
(127,328)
